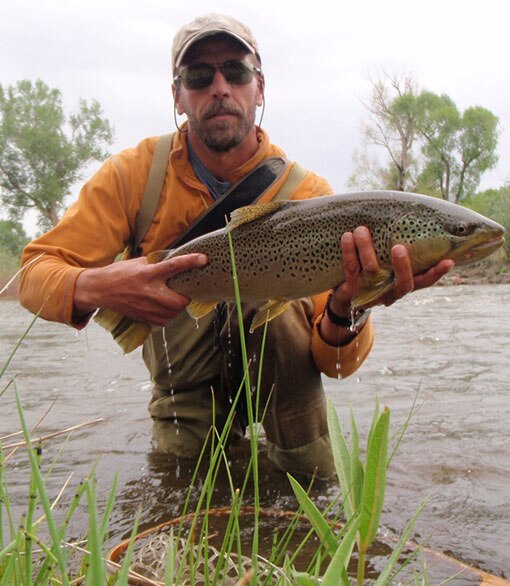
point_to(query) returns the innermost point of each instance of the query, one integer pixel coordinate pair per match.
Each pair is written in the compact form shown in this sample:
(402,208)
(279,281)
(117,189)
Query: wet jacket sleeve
(341,361)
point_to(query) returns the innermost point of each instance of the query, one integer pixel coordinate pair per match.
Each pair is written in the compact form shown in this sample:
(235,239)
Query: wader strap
(296,175)
(152,192)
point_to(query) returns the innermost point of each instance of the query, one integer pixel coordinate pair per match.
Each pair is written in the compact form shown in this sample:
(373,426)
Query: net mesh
(151,557)
(195,564)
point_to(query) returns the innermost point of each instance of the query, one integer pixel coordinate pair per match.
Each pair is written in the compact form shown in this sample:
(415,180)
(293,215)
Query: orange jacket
(100,225)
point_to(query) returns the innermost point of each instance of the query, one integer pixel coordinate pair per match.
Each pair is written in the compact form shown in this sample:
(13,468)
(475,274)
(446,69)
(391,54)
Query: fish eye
(461,229)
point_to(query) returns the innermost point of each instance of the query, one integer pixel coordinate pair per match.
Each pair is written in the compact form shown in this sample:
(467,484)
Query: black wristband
(360,317)
(338,320)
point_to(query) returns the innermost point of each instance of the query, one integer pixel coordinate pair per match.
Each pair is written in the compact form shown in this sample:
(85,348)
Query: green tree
(429,145)
(13,237)
(43,153)
(458,148)
(392,127)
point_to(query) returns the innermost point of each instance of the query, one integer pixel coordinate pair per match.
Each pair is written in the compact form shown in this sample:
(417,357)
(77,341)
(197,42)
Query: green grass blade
(108,509)
(342,556)
(315,517)
(357,473)
(342,461)
(58,551)
(96,570)
(5,504)
(386,575)
(403,428)
(170,559)
(32,501)
(123,577)
(375,418)
(374,484)
(251,417)
(18,344)
(15,543)
(10,573)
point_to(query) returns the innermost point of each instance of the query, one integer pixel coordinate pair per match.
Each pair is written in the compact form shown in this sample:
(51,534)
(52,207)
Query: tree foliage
(391,126)
(430,146)
(493,203)
(43,153)
(13,237)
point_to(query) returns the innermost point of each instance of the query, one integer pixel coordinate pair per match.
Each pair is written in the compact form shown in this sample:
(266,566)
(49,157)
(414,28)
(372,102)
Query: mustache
(221,107)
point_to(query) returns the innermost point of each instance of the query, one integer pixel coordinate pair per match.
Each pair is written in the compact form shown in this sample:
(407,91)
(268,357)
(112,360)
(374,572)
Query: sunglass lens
(237,72)
(196,77)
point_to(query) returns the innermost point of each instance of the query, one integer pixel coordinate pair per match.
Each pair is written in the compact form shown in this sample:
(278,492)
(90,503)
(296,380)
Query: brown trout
(291,249)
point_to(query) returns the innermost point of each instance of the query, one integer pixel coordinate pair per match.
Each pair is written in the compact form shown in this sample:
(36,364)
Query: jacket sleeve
(341,361)
(91,234)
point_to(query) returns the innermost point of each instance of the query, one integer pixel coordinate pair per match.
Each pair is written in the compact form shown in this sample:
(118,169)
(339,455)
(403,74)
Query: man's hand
(359,256)
(135,289)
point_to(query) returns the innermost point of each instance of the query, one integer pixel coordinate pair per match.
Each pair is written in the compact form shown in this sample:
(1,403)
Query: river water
(448,348)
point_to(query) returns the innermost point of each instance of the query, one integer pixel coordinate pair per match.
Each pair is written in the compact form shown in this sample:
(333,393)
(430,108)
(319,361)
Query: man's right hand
(135,288)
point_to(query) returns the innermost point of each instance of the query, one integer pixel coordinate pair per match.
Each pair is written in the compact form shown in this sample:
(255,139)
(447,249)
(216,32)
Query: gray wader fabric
(190,364)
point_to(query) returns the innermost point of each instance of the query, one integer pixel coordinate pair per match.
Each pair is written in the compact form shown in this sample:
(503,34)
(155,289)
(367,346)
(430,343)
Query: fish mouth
(476,251)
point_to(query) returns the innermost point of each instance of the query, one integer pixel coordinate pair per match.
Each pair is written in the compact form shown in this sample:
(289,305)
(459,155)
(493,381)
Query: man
(218,85)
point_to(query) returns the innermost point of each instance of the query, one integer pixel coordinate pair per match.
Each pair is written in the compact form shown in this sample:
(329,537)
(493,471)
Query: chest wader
(196,369)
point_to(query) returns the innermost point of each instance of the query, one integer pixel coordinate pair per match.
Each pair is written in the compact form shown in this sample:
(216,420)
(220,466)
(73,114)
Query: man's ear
(261,87)
(176,92)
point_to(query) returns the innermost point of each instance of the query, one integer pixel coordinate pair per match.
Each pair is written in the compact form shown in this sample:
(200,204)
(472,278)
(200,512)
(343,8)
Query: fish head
(473,241)
(446,231)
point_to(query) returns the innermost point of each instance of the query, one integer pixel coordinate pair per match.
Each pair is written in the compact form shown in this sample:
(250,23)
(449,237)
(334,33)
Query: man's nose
(220,85)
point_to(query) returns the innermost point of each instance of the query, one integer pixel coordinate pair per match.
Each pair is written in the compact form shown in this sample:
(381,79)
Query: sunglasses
(201,75)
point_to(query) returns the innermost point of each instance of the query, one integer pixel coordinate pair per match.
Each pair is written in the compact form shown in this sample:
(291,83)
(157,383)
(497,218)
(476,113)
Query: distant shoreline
(483,274)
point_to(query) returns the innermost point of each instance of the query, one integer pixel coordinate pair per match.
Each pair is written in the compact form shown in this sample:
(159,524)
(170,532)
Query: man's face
(222,114)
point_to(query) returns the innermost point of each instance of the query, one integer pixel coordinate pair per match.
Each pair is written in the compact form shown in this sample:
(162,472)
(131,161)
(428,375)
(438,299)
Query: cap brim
(209,33)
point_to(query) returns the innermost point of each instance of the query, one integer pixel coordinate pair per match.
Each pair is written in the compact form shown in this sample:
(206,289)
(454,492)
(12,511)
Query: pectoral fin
(373,286)
(198,309)
(157,256)
(267,312)
(128,333)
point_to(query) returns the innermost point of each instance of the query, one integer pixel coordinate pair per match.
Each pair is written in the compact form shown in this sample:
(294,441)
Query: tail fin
(128,333)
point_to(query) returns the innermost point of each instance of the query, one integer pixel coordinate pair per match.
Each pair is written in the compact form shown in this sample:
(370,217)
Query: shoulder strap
(296,175)
(152,192)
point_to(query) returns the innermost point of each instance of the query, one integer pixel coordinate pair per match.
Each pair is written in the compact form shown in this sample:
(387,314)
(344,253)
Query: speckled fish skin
(293,250)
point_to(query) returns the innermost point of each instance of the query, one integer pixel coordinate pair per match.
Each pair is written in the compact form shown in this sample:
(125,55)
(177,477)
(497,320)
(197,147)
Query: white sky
(317,57)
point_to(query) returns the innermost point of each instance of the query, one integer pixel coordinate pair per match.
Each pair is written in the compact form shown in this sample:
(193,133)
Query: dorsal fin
(248,214)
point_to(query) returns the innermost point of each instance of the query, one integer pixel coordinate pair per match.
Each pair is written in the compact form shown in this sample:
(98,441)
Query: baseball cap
(205,26)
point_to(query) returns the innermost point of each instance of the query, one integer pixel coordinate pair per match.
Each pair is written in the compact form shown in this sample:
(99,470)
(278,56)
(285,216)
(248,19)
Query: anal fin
(198,309)
(268,311)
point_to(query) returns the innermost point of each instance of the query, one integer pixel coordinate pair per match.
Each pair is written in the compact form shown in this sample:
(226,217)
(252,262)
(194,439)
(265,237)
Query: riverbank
(484,273)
